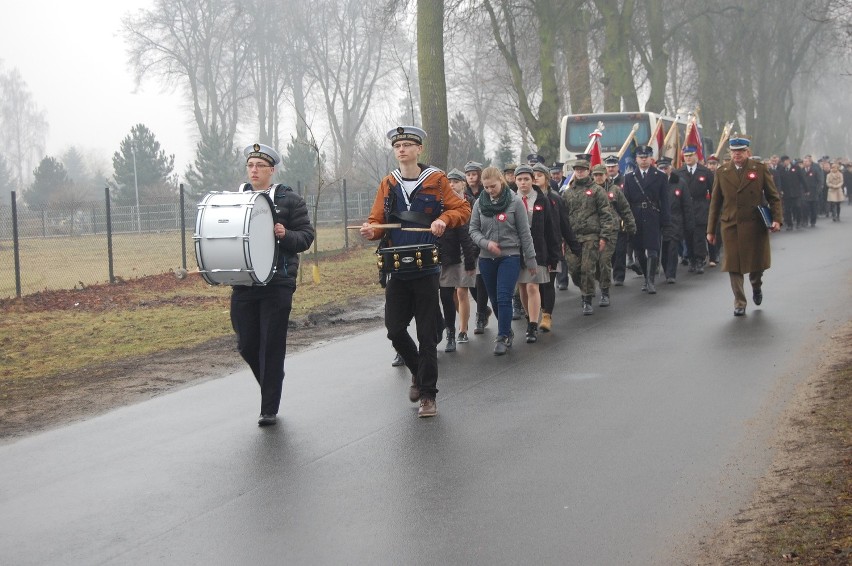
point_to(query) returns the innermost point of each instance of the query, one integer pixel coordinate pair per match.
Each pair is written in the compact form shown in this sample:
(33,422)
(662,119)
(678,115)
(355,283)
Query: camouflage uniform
(626,224)
(591,218)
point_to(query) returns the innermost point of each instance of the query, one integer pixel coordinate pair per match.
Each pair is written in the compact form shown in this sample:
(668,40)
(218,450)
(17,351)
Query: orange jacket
(455,213)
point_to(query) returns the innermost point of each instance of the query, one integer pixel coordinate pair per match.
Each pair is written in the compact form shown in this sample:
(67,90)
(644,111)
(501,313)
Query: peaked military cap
(523,169)
(557,167)
(455,175)
(664,162)
(472,166)
(262,152)
(510,167)
(610,160)
(409,133)
(598,170)
(534,158)
(713,159)
(739,142)
(644,151)
(689,150)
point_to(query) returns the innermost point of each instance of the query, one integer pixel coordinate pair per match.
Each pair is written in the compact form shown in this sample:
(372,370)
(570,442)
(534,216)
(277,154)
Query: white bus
(575,130)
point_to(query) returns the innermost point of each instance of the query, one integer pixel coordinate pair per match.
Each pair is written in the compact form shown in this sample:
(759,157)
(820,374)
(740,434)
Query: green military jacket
(589,212)
(624,216)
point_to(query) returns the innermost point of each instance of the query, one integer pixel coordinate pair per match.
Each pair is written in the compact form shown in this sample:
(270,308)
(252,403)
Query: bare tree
(23,127)
(202,47)
(346,64)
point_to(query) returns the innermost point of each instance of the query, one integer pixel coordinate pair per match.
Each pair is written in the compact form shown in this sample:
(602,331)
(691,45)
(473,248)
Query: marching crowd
(509,238)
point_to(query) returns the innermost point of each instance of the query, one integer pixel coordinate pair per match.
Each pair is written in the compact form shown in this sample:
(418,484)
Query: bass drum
(235,241)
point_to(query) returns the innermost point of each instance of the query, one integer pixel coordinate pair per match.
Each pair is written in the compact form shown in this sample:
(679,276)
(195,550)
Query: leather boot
(587,305)
(653,264)
(546,321)
(517,308)
(532,332)
(604,302)
(451,340)
(480,323)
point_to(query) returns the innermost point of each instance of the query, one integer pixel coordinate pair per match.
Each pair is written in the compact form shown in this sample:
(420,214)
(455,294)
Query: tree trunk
(433,81)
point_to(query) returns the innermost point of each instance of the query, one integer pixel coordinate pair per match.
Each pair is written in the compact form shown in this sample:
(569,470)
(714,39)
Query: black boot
(532,332)
(604,302)
(517,308)
(451,340)
(653,264)
(587,305)
(481,319)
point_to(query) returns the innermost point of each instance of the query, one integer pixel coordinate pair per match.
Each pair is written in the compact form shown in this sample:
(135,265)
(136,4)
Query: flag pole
(596,134)
(726,131)
(630,138)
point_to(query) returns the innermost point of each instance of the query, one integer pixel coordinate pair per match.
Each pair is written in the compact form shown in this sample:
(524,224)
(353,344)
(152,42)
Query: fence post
(16,245)
(109,235)
(182,230)
(345,217)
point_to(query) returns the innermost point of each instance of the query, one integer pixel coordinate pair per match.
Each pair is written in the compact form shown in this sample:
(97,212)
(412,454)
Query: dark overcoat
(734,202)
(649,202)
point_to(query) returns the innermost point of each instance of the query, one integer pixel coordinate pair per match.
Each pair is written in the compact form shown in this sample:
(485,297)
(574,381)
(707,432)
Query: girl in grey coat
(499,226)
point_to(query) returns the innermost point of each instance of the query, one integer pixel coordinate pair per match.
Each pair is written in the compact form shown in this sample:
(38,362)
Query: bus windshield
(616,129)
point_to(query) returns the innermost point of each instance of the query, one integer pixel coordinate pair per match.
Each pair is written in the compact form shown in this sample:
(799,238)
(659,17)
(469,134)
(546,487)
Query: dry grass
(64,262)
(116,322)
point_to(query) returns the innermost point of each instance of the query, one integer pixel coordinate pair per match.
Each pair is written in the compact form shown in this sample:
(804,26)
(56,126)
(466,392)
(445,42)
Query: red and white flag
(595,148)
(694,139)
(657,141)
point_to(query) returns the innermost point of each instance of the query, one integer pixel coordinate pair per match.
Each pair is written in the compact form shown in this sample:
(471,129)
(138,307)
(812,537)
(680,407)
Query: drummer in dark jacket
(260,313)
(683,219)
(646,190)
(414,196)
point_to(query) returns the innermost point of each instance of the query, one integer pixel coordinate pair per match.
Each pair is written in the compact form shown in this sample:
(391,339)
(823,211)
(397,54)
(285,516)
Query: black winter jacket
(291,211)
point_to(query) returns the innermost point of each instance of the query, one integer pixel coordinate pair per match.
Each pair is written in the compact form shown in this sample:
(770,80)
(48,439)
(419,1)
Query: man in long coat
(646,189)
(738,188)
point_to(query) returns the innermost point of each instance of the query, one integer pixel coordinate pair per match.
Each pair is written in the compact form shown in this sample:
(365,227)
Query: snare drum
(235,240)
(402,259)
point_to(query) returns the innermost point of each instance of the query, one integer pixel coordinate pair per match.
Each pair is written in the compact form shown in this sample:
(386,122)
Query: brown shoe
(428,408)
(546,321)
(413,391)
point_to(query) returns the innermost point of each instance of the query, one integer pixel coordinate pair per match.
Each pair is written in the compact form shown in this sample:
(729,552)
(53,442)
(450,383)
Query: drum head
(262,246)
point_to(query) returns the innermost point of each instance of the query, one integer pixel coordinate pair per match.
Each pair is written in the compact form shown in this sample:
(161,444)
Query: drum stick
(375,226)
(391,226)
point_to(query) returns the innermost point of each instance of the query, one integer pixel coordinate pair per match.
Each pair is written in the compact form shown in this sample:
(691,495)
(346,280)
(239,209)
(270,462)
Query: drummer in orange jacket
(415,196)
(260,314)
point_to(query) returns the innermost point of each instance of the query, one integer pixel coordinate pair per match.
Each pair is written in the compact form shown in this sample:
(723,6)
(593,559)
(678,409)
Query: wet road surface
(618,438)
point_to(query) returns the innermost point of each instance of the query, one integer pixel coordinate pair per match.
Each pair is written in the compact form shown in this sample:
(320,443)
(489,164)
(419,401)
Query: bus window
(616,129)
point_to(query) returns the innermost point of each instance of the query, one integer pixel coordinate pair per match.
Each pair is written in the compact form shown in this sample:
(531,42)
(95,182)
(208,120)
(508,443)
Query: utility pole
(136,183)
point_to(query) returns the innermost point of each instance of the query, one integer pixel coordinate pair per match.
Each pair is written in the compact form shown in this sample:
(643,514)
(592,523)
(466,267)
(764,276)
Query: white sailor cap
(410,133)
(263,152)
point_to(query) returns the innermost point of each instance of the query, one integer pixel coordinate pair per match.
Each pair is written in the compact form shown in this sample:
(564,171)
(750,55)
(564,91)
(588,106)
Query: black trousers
(260,317)
(809,212)
(668,258)
(448,303)
(619,257)
(418,299)
(548,294)
(792,211)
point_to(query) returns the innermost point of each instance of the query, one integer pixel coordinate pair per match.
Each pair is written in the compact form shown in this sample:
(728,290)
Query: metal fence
(66,246)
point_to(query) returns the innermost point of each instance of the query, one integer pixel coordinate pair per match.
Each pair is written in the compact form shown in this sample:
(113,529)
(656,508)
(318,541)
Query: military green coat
(733,202)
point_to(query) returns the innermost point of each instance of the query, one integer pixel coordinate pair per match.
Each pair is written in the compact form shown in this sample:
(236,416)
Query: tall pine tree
(216,168)
(464,144)
(50,184)
(153,168)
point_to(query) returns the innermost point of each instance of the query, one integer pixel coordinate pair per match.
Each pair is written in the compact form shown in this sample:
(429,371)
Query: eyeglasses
(258,166)
(403,145)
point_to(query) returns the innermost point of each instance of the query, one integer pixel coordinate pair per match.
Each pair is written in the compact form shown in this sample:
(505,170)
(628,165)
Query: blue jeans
(500,276)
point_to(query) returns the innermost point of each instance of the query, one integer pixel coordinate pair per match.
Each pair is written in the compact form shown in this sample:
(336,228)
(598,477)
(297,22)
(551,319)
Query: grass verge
(49,333)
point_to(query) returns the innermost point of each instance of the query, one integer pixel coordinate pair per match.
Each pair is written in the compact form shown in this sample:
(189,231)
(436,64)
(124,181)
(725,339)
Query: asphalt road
(619,438)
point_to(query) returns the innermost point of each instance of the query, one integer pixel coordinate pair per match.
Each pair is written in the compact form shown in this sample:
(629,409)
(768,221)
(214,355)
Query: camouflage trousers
(603,273)
(583,269)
